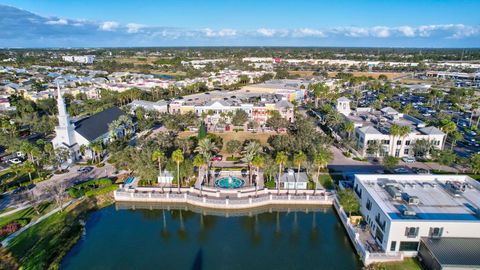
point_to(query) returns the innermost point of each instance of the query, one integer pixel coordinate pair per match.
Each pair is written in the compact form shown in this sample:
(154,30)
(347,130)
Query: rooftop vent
(404,210)
(394,192)
(455,187)
(411,200)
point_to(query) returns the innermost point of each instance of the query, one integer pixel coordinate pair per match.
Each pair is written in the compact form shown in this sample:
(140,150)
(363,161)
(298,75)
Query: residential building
(160,106)
(373,127)
(400,210)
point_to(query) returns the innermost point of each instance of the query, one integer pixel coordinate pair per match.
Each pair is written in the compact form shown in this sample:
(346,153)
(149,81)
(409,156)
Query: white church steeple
(65,131)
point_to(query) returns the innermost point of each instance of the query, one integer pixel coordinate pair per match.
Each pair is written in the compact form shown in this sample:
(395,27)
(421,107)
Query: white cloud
(380,31)
(407,31)
(266,32)
(57,22)
(220,33)
(308,32)
(134,28)
(108,26)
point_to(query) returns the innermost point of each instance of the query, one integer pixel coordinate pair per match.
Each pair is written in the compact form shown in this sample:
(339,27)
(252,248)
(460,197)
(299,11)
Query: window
(379,235)
(407,142)
(397,153)
(411,232)
(436,232)
(408,246)
(385,141)
(399,142)
(393,246)
(369,204)
(405,152)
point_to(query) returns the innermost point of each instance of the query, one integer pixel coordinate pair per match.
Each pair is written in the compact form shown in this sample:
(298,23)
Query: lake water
(190,238)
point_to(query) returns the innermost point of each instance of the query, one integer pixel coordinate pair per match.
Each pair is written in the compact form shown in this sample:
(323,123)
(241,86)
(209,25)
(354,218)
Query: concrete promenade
(225,199)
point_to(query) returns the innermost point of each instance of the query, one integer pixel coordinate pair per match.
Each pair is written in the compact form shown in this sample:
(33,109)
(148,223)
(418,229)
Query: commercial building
(373,129)
(400,210)
(82,59)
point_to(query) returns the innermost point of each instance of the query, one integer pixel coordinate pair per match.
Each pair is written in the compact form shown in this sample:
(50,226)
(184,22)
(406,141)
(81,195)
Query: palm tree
(321,159)
(373,147)
(281,159)
(26,148)
(29,168)
(298,160)
(258,162)
(422,147)
(448,127)
(158,156)
(349,127)
(249,152)
(206,148)
(177,156)
(96,148)
(199,162)
(394,132)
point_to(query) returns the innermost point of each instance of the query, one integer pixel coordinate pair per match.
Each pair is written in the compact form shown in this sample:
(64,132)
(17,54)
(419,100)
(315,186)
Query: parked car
(217,158)
(85,169)
(15,161)
(408,159)
(420,170)
(401,170)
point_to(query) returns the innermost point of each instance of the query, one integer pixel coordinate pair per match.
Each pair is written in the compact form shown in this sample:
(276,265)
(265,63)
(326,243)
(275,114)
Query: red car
(217,158)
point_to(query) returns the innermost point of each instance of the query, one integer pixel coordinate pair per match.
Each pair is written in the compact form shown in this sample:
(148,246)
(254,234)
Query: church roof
(91,128)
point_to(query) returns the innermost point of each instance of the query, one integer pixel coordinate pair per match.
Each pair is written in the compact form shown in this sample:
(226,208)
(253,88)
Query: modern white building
(82,59)
(373,127)
(402,209)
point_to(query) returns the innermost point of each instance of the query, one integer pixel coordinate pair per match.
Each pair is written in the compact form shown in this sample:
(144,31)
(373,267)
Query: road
(340,163)
(67,179)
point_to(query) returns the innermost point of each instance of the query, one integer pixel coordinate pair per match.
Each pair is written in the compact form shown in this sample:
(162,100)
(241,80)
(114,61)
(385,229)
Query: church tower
(65,131)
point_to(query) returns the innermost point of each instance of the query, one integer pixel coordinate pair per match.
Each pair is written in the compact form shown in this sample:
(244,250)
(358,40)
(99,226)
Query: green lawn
(406,264)
(27,214)
(44,245)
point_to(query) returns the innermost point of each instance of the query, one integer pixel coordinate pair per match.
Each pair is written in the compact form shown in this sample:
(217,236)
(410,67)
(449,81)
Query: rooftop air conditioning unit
(411,200)
(405,211)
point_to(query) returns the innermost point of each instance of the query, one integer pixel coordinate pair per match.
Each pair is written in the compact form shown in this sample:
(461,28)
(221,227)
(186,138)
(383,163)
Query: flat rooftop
(232,97)
(382,122)
(437,197)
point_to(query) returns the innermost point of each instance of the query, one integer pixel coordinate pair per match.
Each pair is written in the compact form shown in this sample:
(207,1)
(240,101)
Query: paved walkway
(9,238)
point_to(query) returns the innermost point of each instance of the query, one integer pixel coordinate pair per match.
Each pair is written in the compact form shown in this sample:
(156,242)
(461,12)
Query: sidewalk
(9,238)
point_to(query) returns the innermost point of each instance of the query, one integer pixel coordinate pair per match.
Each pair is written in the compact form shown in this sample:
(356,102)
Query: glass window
(408,246)
(397,153)
(407,142)
(393,246)
(399,142)
(379,235)
(436,232)
(411,232)
(369,204)
(405,152)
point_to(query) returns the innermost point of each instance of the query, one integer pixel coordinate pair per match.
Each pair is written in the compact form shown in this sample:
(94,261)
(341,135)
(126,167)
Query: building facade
(401,209)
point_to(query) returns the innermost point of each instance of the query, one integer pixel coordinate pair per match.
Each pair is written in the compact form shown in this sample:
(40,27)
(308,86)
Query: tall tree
(207,149)
(177,156)
(250,150)
(281,159)
(159,157)
(298,160)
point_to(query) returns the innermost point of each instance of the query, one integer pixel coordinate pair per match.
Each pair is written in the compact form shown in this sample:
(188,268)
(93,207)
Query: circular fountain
(229,182)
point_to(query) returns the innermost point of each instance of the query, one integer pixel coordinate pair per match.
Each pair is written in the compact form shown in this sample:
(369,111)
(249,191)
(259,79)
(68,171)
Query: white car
(408,159)
(15,161)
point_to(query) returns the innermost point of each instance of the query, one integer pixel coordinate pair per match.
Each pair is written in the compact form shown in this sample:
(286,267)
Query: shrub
(9,228)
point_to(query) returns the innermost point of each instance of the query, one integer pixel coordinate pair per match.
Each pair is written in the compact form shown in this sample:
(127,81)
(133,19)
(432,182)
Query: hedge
(95,192)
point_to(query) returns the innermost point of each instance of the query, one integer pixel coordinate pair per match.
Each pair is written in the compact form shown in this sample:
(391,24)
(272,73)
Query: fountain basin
(229,182)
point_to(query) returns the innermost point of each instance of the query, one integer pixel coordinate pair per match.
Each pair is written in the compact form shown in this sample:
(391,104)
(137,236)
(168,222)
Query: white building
(160,106)
(72,136)
(401,209)
(373,127)
(294,180)
(82,59)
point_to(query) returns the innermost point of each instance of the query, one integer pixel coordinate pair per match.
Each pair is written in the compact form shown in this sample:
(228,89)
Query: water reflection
(285,237)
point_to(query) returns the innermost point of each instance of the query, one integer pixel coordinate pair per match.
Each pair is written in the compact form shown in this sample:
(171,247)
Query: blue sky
(405,23)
